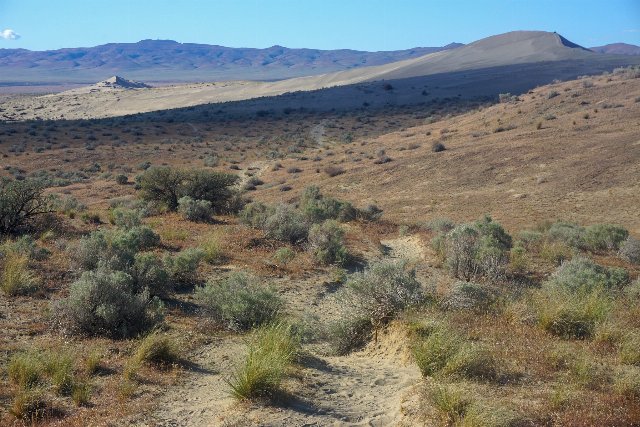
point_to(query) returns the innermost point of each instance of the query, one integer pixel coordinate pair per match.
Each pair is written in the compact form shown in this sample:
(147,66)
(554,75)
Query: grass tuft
(272,349)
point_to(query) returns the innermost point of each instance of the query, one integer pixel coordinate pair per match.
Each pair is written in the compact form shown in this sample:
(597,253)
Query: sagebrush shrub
(569,233)
(255,214)
(439,225)
(148,274)
(583,275)
(380,292)
(469,296)
(286,224)
(326,243)
(605,237)
(318,208)
(239,302)
(115,247)
(195,210)
(125,218)
(182,267)
(370,213)
(477,249)
(103,302)
(630,250)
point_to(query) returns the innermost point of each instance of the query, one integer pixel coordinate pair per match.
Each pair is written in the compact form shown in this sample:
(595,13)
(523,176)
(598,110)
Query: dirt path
(366,388)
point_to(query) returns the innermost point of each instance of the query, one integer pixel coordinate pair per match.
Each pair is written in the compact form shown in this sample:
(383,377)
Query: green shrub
(286,224)
(583,275)
(605,237)
(195,210)
(477,249)
(121,179)
(380,292)
(630,250)
(162,184)
(102,302)
(158,349)
(569,233)
(29,405)
(469,296)
(183,267)
(626,382)
(125,218)
(530,239)
(556,252)
(318,208)
(168,185)
(519,259)
(451,401)
(629,351)
(284,256)
(239,302)
(148,274)
(26,369)
(349,333)
(326,243)
(255,214)
(272,350)
(20,203)
(436,350)
(81,393)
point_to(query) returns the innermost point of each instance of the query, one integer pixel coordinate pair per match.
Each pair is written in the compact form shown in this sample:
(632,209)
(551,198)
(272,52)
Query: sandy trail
(366,388)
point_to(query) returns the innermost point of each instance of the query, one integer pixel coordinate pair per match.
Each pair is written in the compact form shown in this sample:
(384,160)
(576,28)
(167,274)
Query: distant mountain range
(618,49)
(167,60)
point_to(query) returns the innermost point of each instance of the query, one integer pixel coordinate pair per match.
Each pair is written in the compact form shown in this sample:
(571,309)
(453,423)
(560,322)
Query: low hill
(618,49)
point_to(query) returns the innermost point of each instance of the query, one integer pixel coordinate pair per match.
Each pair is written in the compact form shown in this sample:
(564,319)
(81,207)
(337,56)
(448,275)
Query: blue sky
(323,24)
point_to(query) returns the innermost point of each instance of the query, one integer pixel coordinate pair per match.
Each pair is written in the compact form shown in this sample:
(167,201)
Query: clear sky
(323,24)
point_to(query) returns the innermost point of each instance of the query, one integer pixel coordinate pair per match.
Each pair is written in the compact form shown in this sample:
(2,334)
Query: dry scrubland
(162,290)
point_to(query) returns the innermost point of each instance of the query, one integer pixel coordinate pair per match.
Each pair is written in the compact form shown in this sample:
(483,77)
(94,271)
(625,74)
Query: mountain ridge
(168,60)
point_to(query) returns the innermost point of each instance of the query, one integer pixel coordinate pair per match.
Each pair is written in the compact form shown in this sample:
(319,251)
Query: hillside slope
(565,151)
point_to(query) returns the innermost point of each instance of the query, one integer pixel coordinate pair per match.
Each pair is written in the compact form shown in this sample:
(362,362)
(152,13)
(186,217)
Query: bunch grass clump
(271,352)
(16,277)
(158,349)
